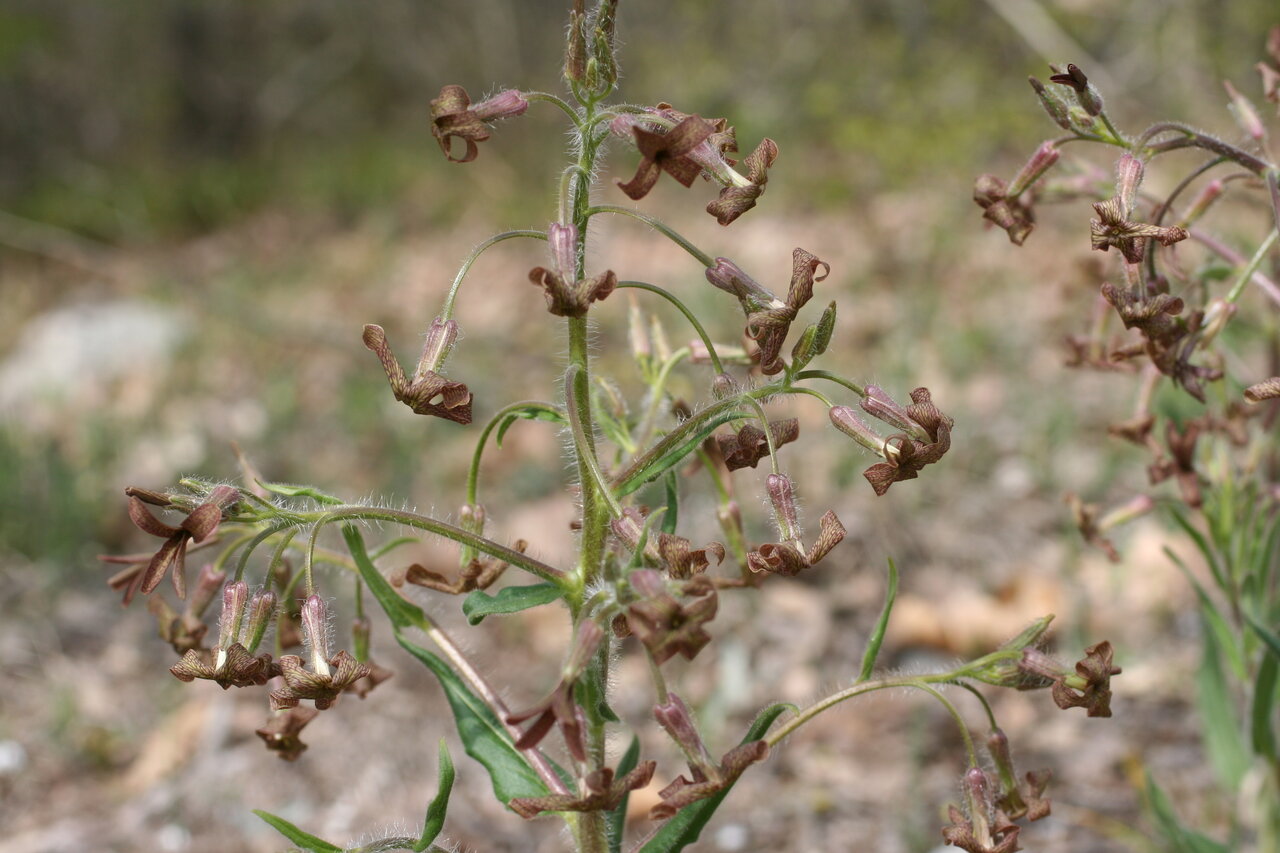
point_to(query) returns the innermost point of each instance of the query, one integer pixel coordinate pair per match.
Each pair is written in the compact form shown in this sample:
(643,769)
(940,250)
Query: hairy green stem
(446,312)
(657,225)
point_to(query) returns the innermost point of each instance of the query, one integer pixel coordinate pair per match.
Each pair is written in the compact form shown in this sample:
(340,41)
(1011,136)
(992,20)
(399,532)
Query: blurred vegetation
(142,120)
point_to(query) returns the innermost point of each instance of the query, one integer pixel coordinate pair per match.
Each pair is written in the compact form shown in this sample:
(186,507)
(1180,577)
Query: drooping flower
(708,780)
(980,827)
(199,525)
(453,114)
(1113,228)
(1181,461)
(749,445)
(1017,799)
(670,618)
(281,733)
(429,393)
(560,707)
(329,675)
(567,295)
(604,793)
(231,663)
(682,560)
(1089,687)
(926,439)
(740,196)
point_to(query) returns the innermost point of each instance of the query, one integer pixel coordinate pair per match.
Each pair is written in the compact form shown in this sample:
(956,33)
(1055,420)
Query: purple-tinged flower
(453,114)
(1181,461)
(669,619)
(429,393)
(1086,93)
(786,558)
(231,663)
(1267,389)
(682,560)
(1017,799)
(746,447)
(604,793)
(281,733)
(479,573)
(667,151)
(1113,228)
(560,708)
(567,295)
(1089,687)
(328,676)
(768,326)
(979,827)
(740,196)
(1007,212)
(199,525)
(928,438)
(708,780)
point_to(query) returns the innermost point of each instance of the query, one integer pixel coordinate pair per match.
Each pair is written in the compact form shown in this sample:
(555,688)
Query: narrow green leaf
(402,612)
(479,604)
(1269,637)
(673,455)
(616,819)
(305,840)
(1262,726)
(673,503)
(684,828)
(877,636)
(1210,555)
(301,492)
(440,804)
(1181,839)
(483,735)
(1222,737)
(1226,636)
(529,412)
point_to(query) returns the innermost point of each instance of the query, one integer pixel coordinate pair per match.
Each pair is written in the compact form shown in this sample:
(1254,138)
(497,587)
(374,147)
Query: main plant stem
(589,829)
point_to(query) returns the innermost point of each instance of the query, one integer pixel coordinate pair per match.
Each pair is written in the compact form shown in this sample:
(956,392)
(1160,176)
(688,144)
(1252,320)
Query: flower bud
(1216,317)
(1053,104)
(360,631)
(262,607)
(1041,161)
(1203,201)
(979,803)
(1086,93)
(637,334)
(471,518)
(1136,507)
(585,644)
(1245,114)
(575,59)
(677,721)
(506,104)
(723,386)
(729,277)
(208,582)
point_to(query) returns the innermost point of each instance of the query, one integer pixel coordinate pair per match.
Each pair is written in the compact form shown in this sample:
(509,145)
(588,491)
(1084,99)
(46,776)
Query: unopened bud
(1268,389)
(658,336)
(1216,317)
(1085,91)
(637,334)
(677,721)
(471,518)
(723,386)
(262,608)
(208,582)
(1203,201)
(1053,104)
(575,60)
(1041,161)
(1129,170)
(980,804)
(585,645)
(1135,508)
(315,628)
(1245,114)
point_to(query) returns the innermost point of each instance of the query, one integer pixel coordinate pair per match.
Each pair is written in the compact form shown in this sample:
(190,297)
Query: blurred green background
(202,202)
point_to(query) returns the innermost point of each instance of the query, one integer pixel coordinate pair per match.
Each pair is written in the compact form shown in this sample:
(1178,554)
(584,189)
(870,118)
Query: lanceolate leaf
(305,840)
(483,735)
(402,612)
(673,452)
(882,624)
(1222,737)
(684,829)
(440,804)
(479,604)
(1264,702)
(1180,838)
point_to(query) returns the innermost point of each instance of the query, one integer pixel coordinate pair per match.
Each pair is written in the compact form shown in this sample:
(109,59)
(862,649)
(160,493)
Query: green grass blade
(440,803)
(882,624)
(305,840)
